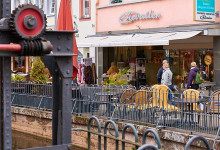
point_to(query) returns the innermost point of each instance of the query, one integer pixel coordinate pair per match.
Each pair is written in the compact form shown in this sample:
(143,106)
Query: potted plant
(117,79)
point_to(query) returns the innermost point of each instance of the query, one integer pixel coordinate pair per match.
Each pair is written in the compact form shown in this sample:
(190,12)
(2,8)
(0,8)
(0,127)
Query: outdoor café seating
(212,110)
(191,104)
(213,103)
(124,102)
(86,101)
(194,110)
(140,101)
(161,94)
(161,103)
(145,88)
(158,105)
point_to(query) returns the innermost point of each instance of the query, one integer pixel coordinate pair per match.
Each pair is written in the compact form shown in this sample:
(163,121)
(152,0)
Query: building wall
(173,12)
(85,27)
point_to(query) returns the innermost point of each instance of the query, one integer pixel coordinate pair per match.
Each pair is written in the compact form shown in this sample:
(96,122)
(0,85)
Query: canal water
(22,141)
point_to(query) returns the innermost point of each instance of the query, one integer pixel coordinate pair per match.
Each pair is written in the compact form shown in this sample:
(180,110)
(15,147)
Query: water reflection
(22,141)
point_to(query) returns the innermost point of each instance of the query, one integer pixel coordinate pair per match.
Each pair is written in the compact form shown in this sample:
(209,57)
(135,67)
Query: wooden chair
(145,88)
(140,104)
(160,104)
(140,100)
(153,95)
(213,111)
(191,100)
(214,103)
(192,95)
(160,98)
(125,101)
(126,97)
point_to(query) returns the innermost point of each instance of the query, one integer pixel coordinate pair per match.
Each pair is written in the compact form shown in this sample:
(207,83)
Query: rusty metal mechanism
(28,22)
(24,34)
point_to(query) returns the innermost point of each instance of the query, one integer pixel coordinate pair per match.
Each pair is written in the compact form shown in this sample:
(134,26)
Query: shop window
(19,64)
(115,1)
(85,9)
(180,61)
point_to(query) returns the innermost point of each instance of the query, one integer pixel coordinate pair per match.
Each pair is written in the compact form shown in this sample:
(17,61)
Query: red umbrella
(65,23)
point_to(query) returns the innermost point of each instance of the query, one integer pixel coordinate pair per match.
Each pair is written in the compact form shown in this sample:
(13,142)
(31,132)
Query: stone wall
(39,123)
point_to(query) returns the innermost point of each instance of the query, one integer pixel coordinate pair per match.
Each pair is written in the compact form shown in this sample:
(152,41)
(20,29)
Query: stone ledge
(165,134)
(31,112)
(168,134)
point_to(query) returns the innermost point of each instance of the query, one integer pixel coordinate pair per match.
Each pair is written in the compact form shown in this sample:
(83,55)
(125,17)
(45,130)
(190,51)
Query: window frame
(84,9)
(51,3)
(47,6)
(21,68)
(82,16)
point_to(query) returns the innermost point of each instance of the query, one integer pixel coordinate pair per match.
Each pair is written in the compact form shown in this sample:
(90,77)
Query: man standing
(160,72)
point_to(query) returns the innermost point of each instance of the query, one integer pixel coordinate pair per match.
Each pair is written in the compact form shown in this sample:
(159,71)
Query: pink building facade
(140,34)
(172,13)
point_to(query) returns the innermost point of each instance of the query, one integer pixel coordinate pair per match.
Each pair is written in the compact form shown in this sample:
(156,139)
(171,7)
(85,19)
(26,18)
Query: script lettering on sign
(131,16)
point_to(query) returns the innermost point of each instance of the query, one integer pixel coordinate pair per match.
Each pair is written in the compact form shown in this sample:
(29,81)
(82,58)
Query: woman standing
(192,76)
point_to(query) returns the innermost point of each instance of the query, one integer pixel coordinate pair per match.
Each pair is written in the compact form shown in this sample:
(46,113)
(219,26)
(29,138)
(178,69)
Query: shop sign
(131,16)
(208,60)
(204,10)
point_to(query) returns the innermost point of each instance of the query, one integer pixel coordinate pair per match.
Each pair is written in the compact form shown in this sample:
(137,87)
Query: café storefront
(142,39)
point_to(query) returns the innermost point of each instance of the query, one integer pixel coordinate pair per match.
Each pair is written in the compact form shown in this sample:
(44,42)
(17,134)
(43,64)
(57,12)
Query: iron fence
(115,137)
(192,110)
(136,144)
(36,95)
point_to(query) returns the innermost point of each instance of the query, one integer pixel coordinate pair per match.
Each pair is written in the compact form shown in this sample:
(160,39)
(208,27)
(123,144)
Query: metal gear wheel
(28,22)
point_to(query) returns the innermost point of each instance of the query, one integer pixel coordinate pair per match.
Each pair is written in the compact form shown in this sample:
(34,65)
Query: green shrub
(17,78)
(119,78)
(37,72)
(12,78)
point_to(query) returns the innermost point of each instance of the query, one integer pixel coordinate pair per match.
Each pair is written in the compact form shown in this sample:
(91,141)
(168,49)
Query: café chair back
(161,94)
(192,96)
(214,103)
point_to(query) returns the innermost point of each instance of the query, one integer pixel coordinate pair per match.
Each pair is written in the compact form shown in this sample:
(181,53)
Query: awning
(135,39)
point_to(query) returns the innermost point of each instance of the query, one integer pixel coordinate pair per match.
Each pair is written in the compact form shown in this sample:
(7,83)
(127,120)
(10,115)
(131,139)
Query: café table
(188,110)
(209,85)
(109,99)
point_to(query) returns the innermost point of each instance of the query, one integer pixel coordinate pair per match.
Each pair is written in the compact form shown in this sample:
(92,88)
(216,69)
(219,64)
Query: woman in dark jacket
(192,76)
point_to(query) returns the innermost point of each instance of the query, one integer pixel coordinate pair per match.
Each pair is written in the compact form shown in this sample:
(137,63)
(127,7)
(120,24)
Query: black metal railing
(115,137)
(157,105)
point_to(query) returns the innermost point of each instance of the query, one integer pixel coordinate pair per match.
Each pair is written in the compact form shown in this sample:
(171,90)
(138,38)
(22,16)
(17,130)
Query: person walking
(160,72)
(192,76)
(167,76)
(167,79)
